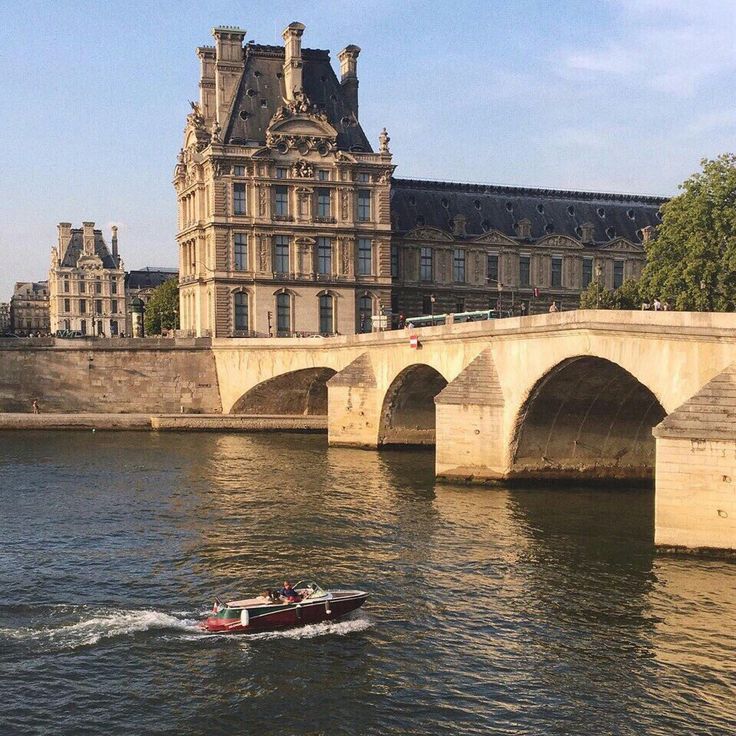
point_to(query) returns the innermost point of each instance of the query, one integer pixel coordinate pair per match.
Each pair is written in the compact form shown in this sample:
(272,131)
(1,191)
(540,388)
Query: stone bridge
(572,395)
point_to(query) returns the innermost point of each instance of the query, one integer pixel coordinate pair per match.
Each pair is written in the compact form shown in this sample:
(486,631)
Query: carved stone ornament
(383,141)
(216,132)
(345,204)
(262,253)
(303,169)
(345,256)
(262,195)
(195,117)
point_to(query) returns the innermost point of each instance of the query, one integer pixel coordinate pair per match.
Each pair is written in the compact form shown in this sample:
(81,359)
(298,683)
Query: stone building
(284,223)
(142,282)
(29,308)
(87,283)
(4,318)
(289,223)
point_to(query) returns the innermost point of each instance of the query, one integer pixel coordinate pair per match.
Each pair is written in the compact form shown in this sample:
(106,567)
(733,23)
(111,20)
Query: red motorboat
(264,614)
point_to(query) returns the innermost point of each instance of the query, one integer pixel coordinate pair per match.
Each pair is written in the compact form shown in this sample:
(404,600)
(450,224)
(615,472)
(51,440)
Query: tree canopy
(627,296)
(692,261)
(162,309)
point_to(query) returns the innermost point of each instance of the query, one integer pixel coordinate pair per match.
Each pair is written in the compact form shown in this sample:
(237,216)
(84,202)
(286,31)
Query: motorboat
(261,613)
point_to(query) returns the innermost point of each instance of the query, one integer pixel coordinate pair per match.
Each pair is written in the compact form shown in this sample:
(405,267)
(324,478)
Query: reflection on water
(491,611)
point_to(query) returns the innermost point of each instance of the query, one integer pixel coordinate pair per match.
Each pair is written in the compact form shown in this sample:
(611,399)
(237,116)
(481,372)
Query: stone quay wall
(115,376)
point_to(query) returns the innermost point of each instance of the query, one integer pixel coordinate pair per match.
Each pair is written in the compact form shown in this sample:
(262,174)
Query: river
(492,611)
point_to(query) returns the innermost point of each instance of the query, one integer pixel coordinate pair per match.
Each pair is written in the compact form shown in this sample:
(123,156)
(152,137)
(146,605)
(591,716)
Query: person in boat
(270,596)
(288,594)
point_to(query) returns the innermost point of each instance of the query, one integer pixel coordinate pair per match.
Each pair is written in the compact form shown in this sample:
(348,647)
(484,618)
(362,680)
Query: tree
(627,296)
(692,261)
(162,310)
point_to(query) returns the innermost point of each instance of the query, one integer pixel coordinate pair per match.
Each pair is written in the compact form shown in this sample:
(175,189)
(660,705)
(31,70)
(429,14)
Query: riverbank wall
(109,376)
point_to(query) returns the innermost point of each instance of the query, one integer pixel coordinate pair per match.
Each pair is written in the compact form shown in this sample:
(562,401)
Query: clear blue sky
(616,95)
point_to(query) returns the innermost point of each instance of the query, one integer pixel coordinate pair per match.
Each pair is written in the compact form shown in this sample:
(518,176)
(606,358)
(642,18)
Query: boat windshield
(309,589)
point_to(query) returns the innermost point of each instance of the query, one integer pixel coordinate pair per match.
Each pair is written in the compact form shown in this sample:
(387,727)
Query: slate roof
(76,246)
(148,277)
(262,90)
(551,212)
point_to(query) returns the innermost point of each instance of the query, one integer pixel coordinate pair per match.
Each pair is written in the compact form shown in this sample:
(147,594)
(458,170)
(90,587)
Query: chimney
(292,36)
(65,237)
(458,226)
(88,238)
(229,66)
(207,96)
(586,232)
(349,77)
(525,228)
(115,245)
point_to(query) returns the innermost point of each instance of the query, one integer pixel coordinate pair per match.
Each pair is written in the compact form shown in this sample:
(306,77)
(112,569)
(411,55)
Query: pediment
(494,237)
(622,245)
(304,131)
(428,233)
(558,241)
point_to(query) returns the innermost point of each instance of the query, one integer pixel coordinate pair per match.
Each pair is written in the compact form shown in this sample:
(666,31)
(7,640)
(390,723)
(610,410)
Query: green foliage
(162,310)
(692,261)
(627,296)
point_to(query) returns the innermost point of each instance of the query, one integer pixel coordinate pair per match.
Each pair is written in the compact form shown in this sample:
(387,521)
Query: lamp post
(499,286)
(432,300)
(598,272)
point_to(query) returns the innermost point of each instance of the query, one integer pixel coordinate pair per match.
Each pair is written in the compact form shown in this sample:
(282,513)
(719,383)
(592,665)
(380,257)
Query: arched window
(240,308)
(283,313)
(326,314)
(365,312)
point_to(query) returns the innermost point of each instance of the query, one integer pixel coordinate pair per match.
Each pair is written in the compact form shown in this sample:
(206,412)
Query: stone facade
(87,283)
(284,225)
(142,282)
(4,317)
(289,224)
(29,308)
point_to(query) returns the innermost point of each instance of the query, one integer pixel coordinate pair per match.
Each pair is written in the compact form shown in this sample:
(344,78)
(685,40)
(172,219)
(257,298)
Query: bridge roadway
(571,395)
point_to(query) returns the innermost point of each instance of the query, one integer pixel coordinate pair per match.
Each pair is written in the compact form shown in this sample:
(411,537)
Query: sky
(605,95)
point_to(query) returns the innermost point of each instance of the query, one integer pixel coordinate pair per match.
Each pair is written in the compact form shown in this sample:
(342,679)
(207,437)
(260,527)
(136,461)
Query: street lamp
(432,300)
(598,272)
(499,286)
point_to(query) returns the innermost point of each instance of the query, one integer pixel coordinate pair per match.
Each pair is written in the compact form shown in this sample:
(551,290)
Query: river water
(531,611)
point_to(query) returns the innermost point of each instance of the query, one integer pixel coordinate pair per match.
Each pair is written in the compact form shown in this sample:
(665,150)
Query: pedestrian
(657,305)
(34,405)
(553,307)
(402,321)
(645,306)
(522,309)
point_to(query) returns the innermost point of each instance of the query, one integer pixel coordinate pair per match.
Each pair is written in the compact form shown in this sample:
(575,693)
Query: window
(66,286)
(618,274)
(587,271)
(283,313)
(81,286)
(238,170)
(324,208)
(113,327)
(325,314)
(323,174)
(98,287)
(281,254)
(113,287)
(364,205)
(83,326)
(394,261)
(524,270)
(98,306)
(238,199)
(493,268)
(425,264)
(114,306)
(365,257)
(281,172)
(67,305)
(324,257)
(556,262)
(281,202)
(458,266)
(365,313)
(82,306)
(459,306)
(240,252)
(240,304)
(363,176)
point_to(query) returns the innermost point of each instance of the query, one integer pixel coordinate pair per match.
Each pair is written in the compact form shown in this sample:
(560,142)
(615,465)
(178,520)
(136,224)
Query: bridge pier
(695,478)
(470,436)
(353,406)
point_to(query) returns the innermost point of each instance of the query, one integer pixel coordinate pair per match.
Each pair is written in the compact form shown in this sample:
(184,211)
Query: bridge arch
(586,417)
(408,411)
(299,393)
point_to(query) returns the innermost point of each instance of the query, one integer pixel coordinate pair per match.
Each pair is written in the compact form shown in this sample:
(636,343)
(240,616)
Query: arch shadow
(587,418)
(298,393)
(408,412)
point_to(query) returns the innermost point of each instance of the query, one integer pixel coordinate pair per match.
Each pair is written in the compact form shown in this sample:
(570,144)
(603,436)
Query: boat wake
(57,632)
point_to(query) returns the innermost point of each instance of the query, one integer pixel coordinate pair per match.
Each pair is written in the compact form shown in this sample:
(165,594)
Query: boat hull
(283,616)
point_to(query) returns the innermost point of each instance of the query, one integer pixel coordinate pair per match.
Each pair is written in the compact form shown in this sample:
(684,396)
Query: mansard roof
(76,246)
(261,94)
(550,211)
(145,278)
